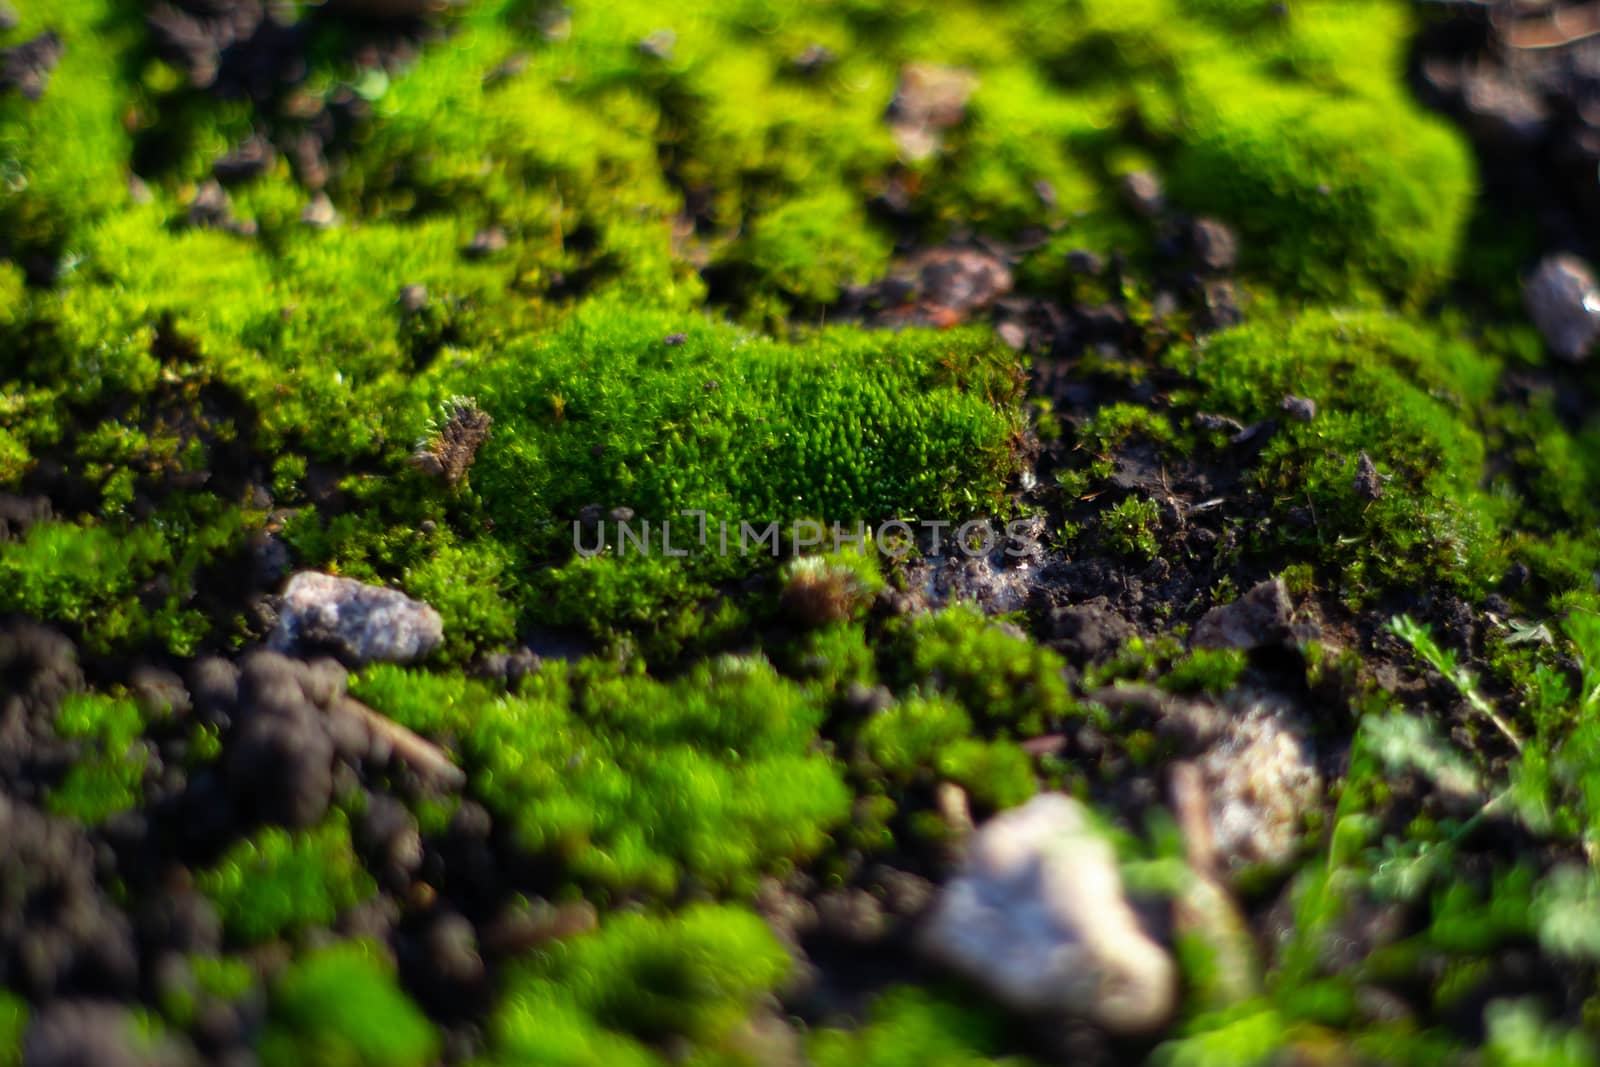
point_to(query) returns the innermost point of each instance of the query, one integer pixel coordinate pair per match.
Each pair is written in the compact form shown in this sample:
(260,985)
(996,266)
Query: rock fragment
(73,1033)
(929,100)
(1259,618)
(1368,482)
(486,243)
(1302,408)
(961,279)
(58,930)
(361,623)
(1088,632)
(26,67)
(250,159)
(1037,916)
(1215,246)
(319,212)
(1260,779)
(280,754)
(1144,193)
(1564,303)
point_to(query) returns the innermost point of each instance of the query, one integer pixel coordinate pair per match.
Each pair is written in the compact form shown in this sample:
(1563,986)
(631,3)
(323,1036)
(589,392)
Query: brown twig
(424,756)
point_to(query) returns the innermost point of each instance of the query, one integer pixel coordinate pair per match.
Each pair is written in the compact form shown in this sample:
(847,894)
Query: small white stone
(1037,916)
(323,612)
(1564,302)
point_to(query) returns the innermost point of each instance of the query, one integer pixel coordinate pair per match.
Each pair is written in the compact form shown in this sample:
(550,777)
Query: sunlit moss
(341,1005)
(605,998)
(279,883)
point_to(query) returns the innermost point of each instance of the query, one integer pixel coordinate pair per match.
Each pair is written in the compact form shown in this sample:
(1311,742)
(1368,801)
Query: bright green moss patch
(108,776)
(342,1007)
(63,156)
(633,783)
(913,1027)
(1205,670)
(810,248)
(1129,528)
(851,425)
(930,739)
(470,587)
(1334,194)
(605,998)
(848,427)
(1007,683)
(93,577)
(278,883)
(1402,395)
(13,1023)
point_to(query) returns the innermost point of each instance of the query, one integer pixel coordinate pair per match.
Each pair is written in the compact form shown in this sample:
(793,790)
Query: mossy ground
(627,233)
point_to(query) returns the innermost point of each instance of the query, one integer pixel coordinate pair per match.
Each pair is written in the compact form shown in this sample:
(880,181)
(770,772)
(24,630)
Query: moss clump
(809,249)
(911,1027)
(94,577)
(633,783)
(1384,387)
(108,776)
(1129,527)
(210,981)
(1335,194)
(469,585)
(1008,684)
(63,156)
(605,998)
(13,1024)
(277,883)
(920,740)
(1205,670)
(1248,1034)
(835,588)
(849,427)
(340,1006)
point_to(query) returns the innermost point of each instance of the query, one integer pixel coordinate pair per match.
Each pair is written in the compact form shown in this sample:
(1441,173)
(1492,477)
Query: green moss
(1519,1036)
(1114,424)
(1213,671)
(209,980)
(830,659)
(1382,386)
(599,999)
(848,427)
(63,156)
(1241,1037)
(108,775)
(13,1024)
(469,585)
(913,1027)
(93,577)
(636,784)
(810,248)
(278,883)
(341,1007)
(1129,528)
(1335,195)
(1004,681)
(922,738)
